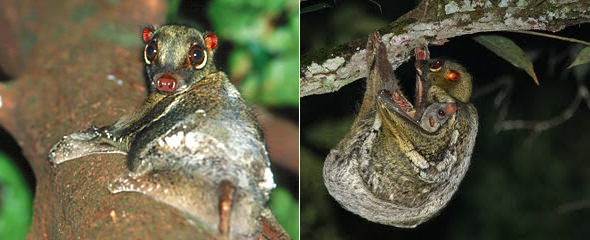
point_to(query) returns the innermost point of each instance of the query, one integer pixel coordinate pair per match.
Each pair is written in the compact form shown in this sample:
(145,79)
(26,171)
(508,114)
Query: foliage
(286,210)
(508,50)
(15,202)
(265,35)
(511,52)
(582,58)
(315,7)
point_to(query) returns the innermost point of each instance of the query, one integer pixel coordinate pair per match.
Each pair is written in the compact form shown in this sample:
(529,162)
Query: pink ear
(211,41)
(146,34)
(451,108)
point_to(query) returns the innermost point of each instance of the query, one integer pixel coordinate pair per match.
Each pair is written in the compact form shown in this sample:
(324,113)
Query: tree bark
(434,22)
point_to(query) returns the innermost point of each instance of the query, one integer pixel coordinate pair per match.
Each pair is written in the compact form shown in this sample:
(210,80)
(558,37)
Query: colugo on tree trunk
(193,144)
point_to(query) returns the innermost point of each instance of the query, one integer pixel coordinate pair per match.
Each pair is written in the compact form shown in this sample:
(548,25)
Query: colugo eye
(453,76)
(436,66)
(197,57)
(151,52)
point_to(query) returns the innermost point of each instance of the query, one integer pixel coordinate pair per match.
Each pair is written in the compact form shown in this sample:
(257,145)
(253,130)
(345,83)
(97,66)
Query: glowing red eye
(436,66)
(452,76)
(197,57)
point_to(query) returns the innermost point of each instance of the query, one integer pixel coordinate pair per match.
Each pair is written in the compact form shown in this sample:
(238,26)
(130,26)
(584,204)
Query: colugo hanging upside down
(193,141)
(401,162)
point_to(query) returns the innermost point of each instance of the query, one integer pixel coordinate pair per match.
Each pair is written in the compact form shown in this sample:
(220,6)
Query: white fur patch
(175,140)
(268,182)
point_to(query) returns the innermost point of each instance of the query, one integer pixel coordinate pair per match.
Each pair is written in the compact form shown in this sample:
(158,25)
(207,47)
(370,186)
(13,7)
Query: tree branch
(431,22)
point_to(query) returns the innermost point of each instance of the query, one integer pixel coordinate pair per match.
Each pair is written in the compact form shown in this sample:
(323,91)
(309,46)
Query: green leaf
(276,86)
(509,51)
(240,63)
(15,202)
(582,58)
(266,47)
(315,7)
(286,210)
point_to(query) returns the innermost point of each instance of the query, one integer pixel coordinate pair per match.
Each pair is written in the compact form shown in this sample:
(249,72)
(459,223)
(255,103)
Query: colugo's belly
(395,179)
(198,147)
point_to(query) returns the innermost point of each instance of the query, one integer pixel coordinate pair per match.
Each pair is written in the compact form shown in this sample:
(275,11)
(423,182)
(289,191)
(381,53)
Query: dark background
(520,185)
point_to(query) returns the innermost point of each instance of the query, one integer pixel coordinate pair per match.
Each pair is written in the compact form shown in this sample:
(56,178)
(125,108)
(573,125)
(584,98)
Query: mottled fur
(181,146)
(388,169)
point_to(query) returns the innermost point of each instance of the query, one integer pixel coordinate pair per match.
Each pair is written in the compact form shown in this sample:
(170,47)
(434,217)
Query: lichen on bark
(433,22)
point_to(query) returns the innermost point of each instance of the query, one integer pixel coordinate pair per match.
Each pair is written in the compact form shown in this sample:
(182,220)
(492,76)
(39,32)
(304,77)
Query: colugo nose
(166,83)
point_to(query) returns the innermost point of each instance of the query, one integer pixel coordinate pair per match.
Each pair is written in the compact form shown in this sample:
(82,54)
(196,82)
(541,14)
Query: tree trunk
(76,64)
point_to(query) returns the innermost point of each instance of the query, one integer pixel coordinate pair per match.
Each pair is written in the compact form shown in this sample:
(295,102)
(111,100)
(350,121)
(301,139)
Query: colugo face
(448,75)
(436,115)
(437,119)
(171,68)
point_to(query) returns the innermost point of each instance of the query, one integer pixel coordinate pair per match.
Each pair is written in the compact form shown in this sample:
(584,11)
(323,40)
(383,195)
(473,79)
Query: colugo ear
(210,41)
(146,33)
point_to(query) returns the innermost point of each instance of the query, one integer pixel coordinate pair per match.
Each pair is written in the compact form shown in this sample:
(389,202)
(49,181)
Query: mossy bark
(433,22)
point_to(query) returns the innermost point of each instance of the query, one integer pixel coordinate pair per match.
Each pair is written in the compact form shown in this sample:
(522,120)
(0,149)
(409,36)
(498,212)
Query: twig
(552,36)
(502,102)
(540,126)
(573,206)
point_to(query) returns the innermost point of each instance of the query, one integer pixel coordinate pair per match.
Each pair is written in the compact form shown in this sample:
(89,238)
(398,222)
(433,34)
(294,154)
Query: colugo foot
(83,143)
(214,205)
(225,204)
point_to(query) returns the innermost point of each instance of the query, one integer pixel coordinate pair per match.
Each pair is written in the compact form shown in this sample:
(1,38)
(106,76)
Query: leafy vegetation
(265,35)
(15,202)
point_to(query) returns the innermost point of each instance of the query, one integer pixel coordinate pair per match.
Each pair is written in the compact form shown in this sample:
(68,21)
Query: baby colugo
(193,144)
(436,114)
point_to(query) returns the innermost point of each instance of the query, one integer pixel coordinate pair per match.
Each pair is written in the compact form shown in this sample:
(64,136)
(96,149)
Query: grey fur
(388,169)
